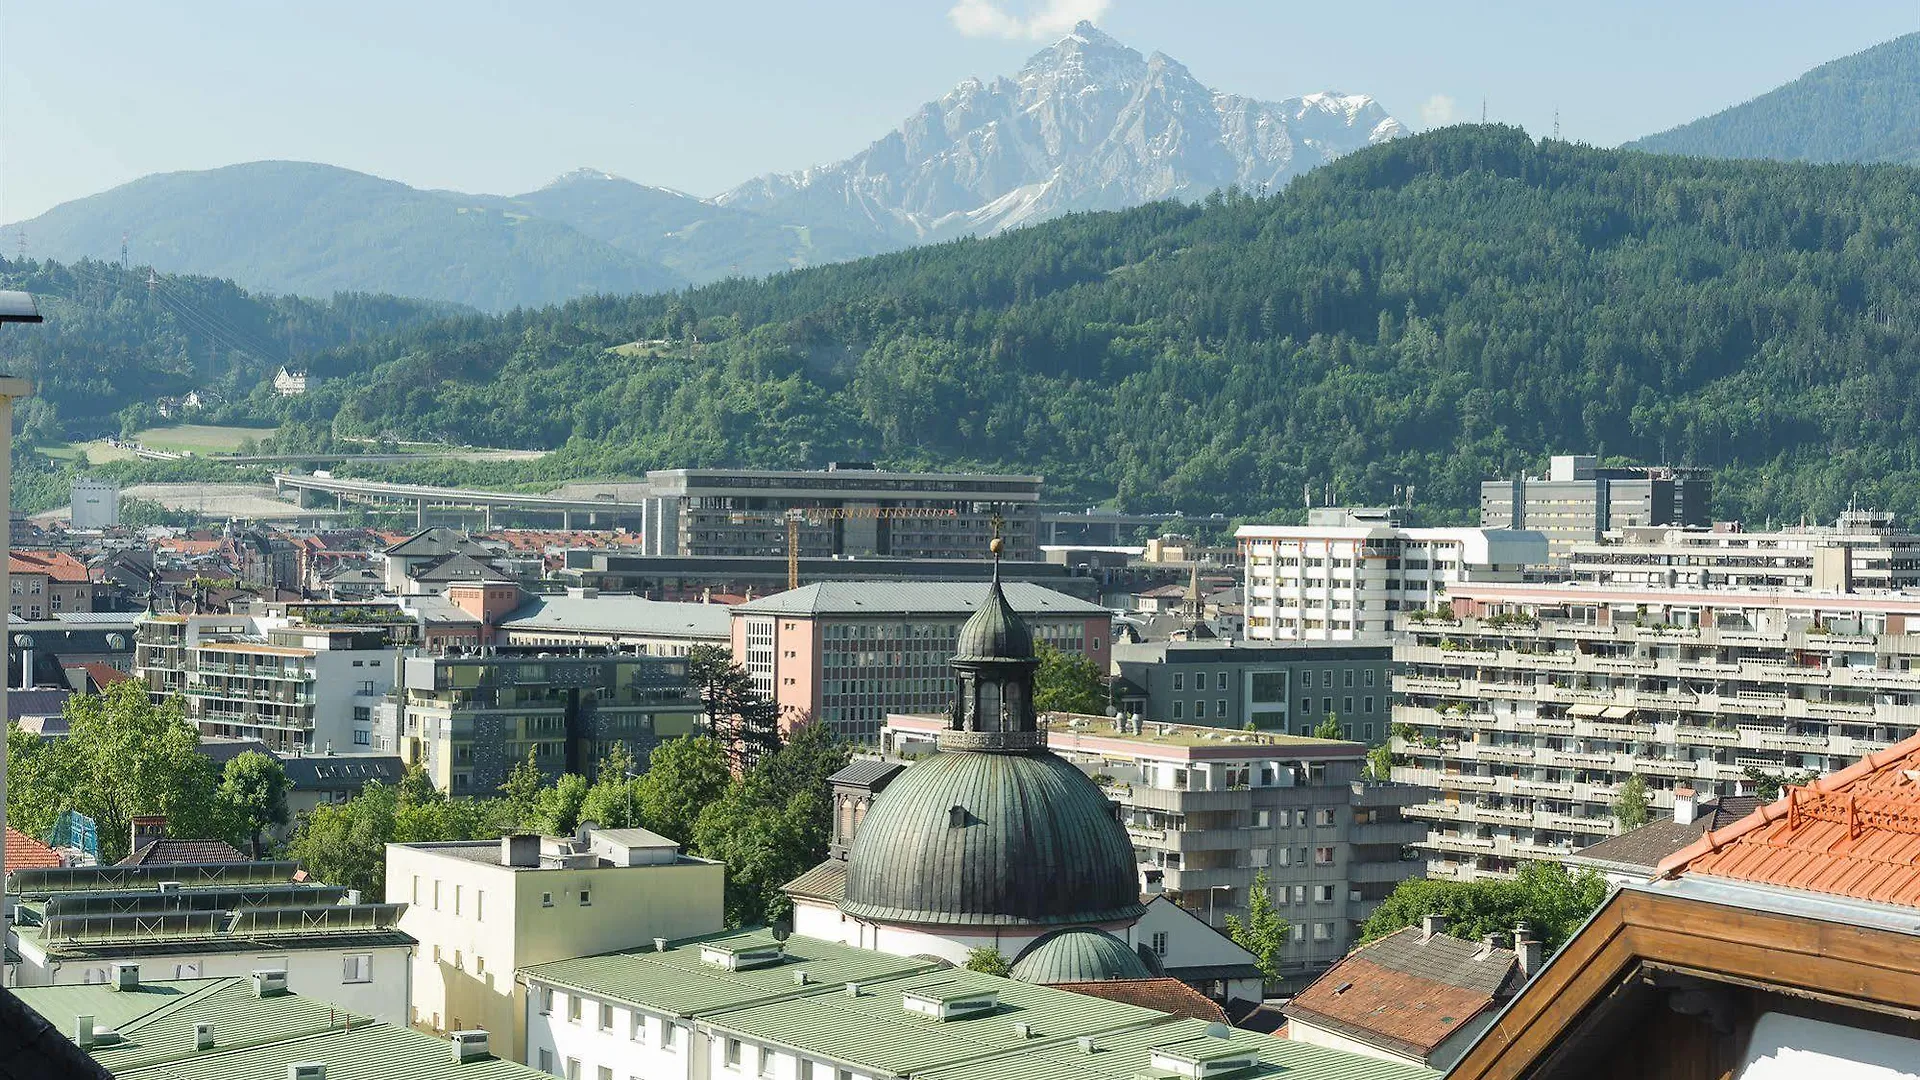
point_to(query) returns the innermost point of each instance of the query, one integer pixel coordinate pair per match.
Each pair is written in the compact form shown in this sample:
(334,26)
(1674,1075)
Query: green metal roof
(374,1052)
(255,1038)
(680,983)
(874,1032)
(1128,1054)
(1079,954)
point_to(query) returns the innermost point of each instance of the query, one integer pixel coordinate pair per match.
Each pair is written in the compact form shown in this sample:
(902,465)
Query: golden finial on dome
(996,545)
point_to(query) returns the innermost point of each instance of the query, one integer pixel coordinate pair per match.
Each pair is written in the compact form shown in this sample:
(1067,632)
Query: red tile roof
(183,852)
(24,851)
(103,675)
(1852,833)
(57,565)
(1165,995)
(1375,1004)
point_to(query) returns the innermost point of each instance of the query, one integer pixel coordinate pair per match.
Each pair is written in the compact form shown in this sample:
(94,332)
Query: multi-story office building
(1349,574)
(679,577)
(1208,810)
(848,653)
(1529,711)
(481,910)
(1862,550)
(629,623)
(296,688)
(78,924)
(1274,686)
(470,719)
(744,512)
(1578,501)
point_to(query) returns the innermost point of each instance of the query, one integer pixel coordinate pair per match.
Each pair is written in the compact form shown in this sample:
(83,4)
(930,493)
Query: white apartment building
(1349,572)
(1862,550)
(1529,710)
(79,925)
(482,909)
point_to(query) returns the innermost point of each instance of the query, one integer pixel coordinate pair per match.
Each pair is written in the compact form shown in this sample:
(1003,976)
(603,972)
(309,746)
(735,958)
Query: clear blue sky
(500,97)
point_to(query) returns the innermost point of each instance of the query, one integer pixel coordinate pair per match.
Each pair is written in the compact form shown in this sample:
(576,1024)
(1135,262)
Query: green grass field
(199,438)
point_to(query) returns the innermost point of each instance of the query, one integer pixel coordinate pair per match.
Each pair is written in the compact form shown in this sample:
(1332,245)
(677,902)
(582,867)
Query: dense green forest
(1859,108)
(113,341)
(1429,312)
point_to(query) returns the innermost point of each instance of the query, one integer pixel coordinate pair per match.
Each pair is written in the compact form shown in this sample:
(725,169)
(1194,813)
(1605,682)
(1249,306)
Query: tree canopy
(1068,682)
(1552,901)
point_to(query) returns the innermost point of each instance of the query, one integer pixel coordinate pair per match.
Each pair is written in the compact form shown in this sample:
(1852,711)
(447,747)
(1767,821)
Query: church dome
(1079,954)
(992,839)
(995,632)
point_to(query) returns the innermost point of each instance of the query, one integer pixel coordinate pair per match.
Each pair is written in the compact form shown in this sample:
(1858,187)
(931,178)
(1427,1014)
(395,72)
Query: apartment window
(436,894)
(1368,728)
(1299,931)
(416,888)
(1369,677)
(586,898)
(1306,680)
(1262,819)
(639,1033)
(479,904)
(1179,681)
(733,1053)
(1286,856)
(606,1017)
(1368,702)
(546,1060)
(573,1008)
(546,899)
(806,1070)
(1323,856)
(605,1073)
(1326,705)
(1299,894)
(1200,709)
(1322,931)
(1347,678)
(1259,857)
(766,1062)
(1177,712)
(1326,678)
(1159,943)
(573,1069)
(1323,894)
(1323,817)
(458,889)
(1346,706)
(1306,709)
(669,1034)
(1220,681)
(545,994)
(1299,819)
(1220,708)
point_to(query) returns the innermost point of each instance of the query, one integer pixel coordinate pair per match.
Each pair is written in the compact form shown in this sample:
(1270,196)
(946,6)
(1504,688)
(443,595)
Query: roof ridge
(168,1008)
(1768,813)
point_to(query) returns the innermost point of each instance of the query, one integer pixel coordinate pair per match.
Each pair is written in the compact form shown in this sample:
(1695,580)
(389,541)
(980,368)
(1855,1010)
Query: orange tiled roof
(25,851)
(1852,833)
(1165,995)
(1360,998)
(57,565)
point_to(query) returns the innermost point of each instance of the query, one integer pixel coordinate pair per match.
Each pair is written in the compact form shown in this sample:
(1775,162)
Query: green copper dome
(995,632)
(1079,954)
(992,839)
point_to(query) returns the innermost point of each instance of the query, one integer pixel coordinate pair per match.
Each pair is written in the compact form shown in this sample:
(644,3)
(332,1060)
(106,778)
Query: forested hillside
(1859,108)
(1428,312)
(112,340)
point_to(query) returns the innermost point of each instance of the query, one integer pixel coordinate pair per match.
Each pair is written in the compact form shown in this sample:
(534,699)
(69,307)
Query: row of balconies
(1772,670)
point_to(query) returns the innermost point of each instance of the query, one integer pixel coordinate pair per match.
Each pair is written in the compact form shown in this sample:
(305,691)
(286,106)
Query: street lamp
(15,307)
(1211,890)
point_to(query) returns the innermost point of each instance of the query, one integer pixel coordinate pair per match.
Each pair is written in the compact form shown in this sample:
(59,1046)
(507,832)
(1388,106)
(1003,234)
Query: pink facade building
(848,653)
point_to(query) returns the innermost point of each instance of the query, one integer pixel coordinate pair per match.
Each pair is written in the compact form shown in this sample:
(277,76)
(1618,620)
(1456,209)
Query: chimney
(1432,926)
(470,1046)
(1685,806)
(520,849)
(659,944)
(83,1030)
(1532,953)
(853,989)
(1022,1030)
(1487,944)
(203,1036)
(145,829)
(1087,1045)
(126,977)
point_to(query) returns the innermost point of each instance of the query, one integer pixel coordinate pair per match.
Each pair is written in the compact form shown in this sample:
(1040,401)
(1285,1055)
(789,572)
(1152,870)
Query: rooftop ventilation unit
(269,982)
(470,1046)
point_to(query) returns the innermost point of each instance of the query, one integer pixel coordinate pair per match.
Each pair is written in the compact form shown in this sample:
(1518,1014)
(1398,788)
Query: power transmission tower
(123,251)
(1556,123)
(1483,110)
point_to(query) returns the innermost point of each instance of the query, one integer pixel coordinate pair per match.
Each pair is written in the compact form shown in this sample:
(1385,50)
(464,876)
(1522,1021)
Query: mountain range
(1860,108)
(1086,124)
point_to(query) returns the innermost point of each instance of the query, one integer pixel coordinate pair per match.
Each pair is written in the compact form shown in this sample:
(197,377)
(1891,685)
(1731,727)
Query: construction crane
(817,515)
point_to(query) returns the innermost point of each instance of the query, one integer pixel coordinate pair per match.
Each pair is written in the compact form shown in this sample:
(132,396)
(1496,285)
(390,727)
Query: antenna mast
(123,251)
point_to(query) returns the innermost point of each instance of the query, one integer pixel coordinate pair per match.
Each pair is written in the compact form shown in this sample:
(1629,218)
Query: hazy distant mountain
(693,237)
(1087,124)
(1864,107)
(289,226)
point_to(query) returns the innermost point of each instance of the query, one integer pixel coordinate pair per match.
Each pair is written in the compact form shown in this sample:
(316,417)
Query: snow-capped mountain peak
(1087,123)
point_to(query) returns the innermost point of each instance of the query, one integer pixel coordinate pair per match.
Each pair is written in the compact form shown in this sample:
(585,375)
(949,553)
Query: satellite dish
(782,928)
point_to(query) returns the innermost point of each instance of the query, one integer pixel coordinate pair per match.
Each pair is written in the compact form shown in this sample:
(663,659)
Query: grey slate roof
(438,540)
(345,772)
(1443,959)
(951,598)
(992,839)
(1645,846)
(827,881)
(1079,954)
(458,567)
(622,614)
(995,631)
(867,772)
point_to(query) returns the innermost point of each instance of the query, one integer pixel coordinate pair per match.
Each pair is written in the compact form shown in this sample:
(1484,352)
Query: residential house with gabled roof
(1636,855)
(1786,944)
(1417,996)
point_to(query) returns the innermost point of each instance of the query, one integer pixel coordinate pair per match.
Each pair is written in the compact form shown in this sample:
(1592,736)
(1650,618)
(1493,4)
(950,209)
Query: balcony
(1439,811)
(1382,873)
(1153,798)
(1388,832)
(1502,753)
(1208,840)
(1706,736)
(1177,880)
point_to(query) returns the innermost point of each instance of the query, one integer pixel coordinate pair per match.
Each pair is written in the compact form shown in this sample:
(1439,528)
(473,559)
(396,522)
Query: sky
(498,97)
